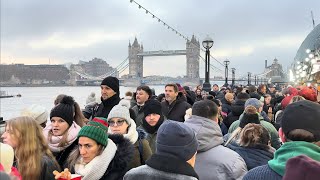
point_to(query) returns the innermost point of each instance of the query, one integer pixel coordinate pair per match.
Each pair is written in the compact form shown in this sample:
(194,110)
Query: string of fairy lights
(176,32)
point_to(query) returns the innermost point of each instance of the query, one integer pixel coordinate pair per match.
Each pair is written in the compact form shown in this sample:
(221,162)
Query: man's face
(264,90)
(170,94)
(106,92)
(272,89)
(215,88)
(142,96)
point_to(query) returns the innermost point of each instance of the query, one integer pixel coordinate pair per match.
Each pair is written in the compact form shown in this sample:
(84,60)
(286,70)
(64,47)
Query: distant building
(97,67)
(16,74)
(275,71)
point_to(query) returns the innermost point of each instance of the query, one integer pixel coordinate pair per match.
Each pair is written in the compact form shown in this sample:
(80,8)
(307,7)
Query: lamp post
(207,43)
(226,63)
(255,80)
(249,76)
(233,70)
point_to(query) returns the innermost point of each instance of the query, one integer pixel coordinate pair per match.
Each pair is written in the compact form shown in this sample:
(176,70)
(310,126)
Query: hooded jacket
(160,167)
(213,160)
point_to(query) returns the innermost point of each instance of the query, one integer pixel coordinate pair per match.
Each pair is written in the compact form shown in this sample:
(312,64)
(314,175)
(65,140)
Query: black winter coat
(120,163)
(254,156)
(105,107)
(236,110)
(177,109)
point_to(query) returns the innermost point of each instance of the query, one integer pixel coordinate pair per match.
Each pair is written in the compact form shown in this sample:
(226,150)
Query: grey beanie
(121,111)
(253,102)
(175,139)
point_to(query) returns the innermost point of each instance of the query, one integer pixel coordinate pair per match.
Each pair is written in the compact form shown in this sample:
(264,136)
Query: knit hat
(308,93)
(37,112)
(180,88)
(302,168)
(97,130)
(121,111)
(175,139)
(302,115)
(249,117)
(111,82)
(6,157)
(152,106)
(64,110)
(253,102)
(243,95)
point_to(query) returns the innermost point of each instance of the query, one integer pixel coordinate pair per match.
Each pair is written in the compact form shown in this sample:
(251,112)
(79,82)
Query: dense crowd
(267,132)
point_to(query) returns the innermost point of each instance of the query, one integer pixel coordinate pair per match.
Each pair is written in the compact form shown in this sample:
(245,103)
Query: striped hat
(96,130)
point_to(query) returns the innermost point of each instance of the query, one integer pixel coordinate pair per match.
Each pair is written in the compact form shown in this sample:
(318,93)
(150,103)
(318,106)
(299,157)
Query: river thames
(11,107)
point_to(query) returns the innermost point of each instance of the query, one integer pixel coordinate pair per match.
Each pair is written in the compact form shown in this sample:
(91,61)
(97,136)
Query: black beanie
(111,82)
(152,106)
(249,118)
(64,110)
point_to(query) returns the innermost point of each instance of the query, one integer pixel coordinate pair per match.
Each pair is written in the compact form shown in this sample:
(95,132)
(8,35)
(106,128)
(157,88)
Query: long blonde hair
(32,146)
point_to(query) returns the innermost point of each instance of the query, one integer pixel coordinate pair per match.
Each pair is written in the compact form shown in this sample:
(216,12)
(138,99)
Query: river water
(11,107)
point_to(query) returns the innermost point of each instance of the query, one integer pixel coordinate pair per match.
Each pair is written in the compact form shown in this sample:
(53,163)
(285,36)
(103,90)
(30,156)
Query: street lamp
(233,70)
(249,77)
(207,43)
(226,63)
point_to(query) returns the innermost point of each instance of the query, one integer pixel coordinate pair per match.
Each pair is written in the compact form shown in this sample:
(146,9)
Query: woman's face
(88,148)
(152,119)
(198,92)
(118,126)
(9,138)
(59,126)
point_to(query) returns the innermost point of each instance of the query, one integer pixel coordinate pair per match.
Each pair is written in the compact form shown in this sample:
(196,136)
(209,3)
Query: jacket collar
(112,101)
(171,165)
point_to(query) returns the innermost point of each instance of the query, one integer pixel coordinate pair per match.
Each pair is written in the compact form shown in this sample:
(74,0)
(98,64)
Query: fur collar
(171,165)
(122,158)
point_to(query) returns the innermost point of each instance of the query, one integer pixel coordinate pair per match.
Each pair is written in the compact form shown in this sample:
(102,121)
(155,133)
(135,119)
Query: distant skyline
(39,31)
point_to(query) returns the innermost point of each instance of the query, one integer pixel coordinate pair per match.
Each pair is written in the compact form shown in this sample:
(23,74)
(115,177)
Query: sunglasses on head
(119,122)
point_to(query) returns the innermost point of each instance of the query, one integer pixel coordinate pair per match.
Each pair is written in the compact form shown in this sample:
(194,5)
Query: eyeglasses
(119,123)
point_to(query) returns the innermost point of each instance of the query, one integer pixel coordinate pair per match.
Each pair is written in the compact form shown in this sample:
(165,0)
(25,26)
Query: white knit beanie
(121,111)
(37,112)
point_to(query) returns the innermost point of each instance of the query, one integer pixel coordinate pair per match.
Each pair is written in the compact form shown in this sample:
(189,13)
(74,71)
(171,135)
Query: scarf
(292,149)
(97,167)
(55,140)
(152,129)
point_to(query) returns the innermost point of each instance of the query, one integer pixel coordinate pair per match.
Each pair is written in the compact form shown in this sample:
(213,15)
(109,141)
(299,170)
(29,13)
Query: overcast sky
(34,31)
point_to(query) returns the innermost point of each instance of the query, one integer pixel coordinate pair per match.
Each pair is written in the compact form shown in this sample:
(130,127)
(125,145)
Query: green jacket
(292,149)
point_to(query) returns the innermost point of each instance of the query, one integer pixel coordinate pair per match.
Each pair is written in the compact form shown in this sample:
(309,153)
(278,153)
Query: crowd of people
(253,133)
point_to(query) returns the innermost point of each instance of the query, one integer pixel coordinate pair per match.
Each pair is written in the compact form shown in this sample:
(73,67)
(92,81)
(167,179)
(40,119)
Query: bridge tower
(192,54)
(135,61)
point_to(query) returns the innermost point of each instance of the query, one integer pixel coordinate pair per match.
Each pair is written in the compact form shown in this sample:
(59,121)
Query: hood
(207,132)
(238,107)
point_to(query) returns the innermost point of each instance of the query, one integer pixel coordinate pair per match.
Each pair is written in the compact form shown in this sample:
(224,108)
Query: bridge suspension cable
(171,28)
